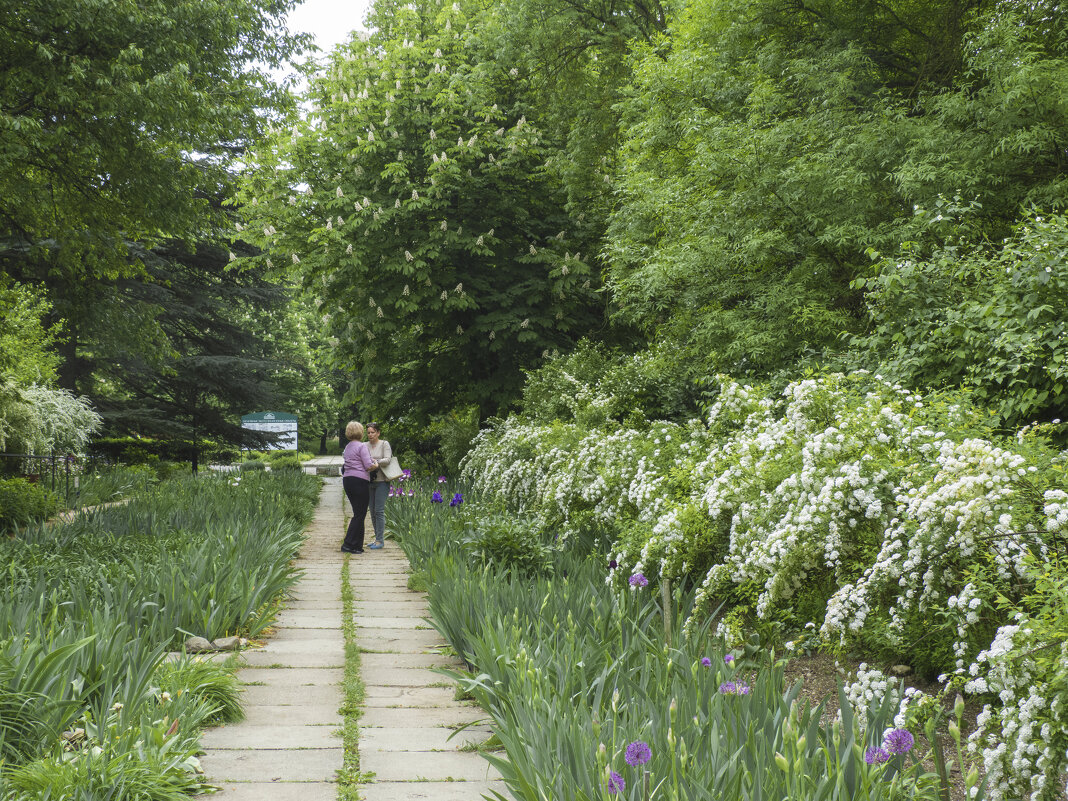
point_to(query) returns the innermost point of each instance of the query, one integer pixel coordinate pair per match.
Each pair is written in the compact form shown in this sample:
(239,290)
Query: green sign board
(275,422)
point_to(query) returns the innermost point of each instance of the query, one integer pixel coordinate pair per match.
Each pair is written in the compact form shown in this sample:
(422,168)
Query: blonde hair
(354,430)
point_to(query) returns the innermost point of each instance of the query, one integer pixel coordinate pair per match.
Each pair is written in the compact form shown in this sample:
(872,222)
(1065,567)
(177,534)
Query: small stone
(73,739)
(901,670)
(227,643)
(198,645)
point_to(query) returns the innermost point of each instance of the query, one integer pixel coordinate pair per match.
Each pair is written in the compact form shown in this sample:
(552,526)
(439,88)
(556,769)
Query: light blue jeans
(379,493)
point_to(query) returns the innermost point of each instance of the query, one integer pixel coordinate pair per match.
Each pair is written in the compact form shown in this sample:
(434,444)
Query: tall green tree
(770,145)
(209,362)
(416,202)
(574,59)
(119,122)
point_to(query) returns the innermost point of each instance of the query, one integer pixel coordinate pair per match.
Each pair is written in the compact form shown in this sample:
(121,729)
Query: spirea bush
(896,524)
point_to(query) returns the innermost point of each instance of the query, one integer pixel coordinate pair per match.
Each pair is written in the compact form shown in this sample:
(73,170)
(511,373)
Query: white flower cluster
(843,480)
(1023,739)
(872,686)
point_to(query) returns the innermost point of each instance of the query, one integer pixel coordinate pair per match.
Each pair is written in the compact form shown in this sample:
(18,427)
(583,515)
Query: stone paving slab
(411,738)
(437,791)
(370,610)
(308,619)
(386,595)
(404,717)
(292,641)
(380,581)
(397,676)
(285,765)
(383,661)
(315,605)
(291,696)
(409,622)
(400,640)
(288,636)
(319,591)
(378,695)
(274,737)
(394,766)
(326,659)
(292,677)
(321,715)
(275,791)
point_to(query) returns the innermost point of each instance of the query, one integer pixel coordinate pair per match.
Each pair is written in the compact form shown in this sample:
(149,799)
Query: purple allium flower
(457,499)
(899,741)
(442,479)
(638,753)
(734,688)
(436,498)
(613,564)
(615,783)
(639,580)
(875,756)
(706,661)
(728,658)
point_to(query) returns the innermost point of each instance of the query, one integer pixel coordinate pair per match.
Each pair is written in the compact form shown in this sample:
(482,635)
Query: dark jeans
(358,495)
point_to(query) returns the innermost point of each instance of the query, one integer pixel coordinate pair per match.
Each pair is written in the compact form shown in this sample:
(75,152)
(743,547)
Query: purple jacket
(357,460)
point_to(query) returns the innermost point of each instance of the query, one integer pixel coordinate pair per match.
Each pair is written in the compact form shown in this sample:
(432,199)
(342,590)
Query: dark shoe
(346,549)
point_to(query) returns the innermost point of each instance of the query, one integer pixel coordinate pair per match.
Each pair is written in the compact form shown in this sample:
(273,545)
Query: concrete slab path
(408,730)
(289,747)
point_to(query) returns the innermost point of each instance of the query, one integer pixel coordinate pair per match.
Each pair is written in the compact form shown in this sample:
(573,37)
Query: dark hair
(375,426)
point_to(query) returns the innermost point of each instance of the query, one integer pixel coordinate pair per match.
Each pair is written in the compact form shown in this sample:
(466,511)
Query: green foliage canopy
(769,146)
(115,114)
(416,202)
(992,318)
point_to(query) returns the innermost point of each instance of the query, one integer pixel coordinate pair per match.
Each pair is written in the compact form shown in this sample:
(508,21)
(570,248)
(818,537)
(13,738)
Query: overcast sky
(330,21)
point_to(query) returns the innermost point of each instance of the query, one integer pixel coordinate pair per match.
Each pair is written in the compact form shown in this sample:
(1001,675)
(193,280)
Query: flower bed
(596,692)
(89,610)
(843,513)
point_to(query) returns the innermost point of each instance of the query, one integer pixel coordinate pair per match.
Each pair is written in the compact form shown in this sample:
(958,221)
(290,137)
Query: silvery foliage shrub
(39,420)
(812,483)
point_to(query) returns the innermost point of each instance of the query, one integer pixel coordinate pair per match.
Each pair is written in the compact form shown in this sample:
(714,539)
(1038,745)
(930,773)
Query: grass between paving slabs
(349,777)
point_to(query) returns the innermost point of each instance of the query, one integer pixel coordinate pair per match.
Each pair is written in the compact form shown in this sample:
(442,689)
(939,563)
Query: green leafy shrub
(89,609)
(23,502)
(290,462)
(254,464)
(575,671)
(846,508)
(210,682)
(508,542)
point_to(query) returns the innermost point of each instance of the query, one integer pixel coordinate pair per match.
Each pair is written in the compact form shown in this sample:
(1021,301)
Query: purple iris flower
(706,661)
(457,499)
(436,498)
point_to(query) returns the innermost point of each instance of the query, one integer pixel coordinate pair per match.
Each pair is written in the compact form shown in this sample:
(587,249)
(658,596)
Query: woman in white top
(381,453)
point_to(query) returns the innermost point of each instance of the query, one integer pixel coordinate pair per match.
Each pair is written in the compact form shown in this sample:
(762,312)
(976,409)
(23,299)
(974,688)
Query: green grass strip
(349,777)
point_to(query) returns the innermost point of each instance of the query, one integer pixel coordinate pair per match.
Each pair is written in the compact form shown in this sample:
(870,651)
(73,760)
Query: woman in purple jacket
(355,476)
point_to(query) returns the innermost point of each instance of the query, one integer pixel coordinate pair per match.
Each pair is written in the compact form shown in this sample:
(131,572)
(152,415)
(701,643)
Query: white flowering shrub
(39,420)
(886,520)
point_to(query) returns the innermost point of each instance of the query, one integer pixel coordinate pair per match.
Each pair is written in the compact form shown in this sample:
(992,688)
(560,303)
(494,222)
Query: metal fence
(57,471)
